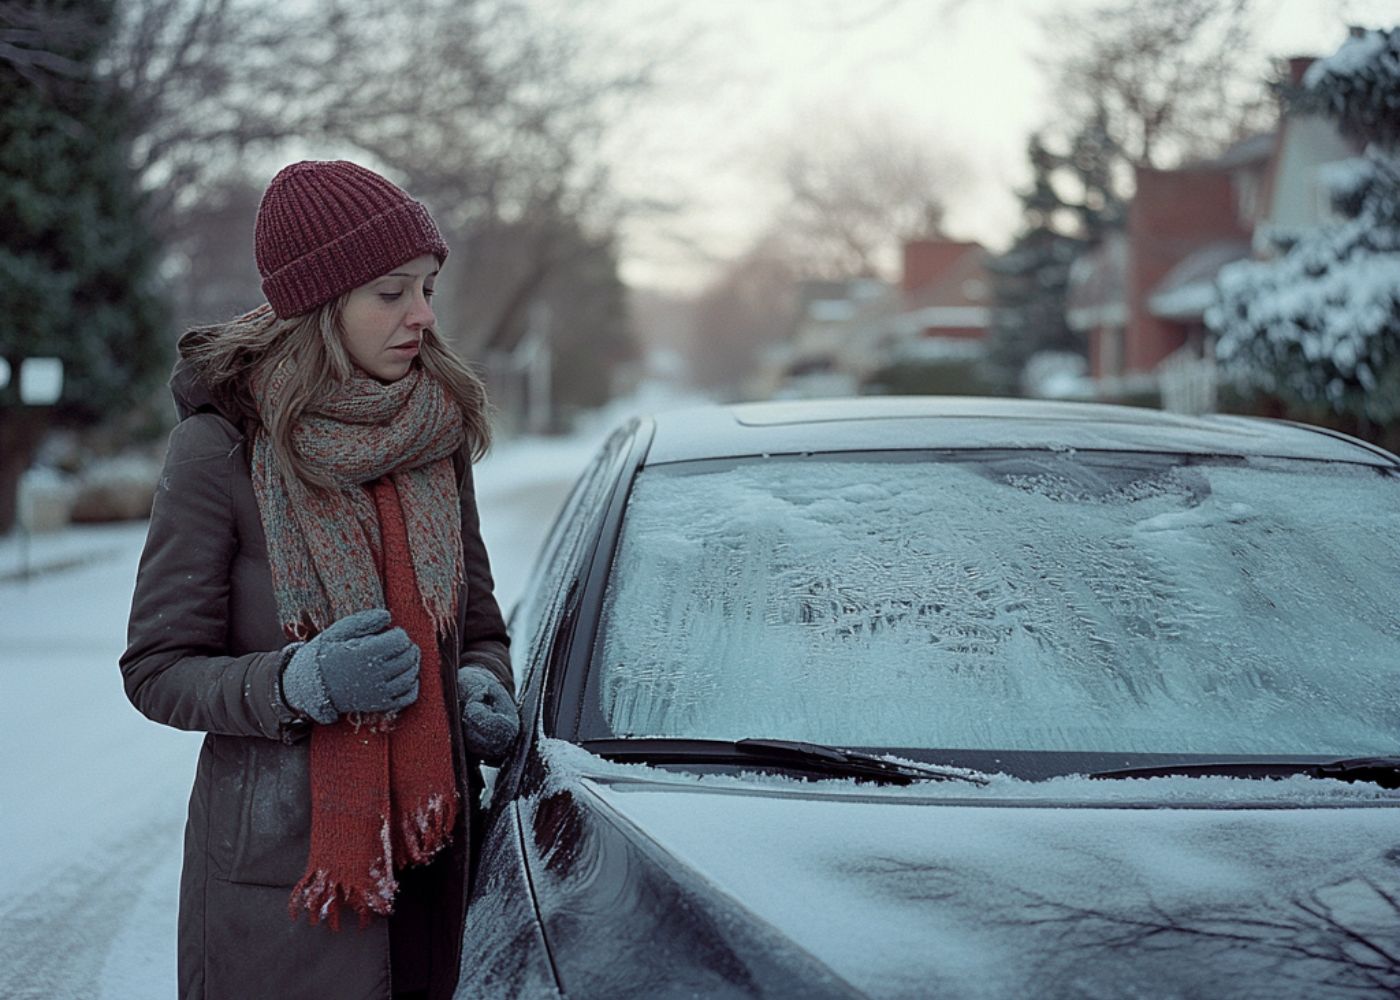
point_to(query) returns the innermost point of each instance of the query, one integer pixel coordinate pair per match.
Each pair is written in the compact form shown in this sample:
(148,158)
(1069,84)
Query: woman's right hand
(358,664)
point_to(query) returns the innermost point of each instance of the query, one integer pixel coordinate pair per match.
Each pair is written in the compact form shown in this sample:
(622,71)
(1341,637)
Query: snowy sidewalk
(78,545)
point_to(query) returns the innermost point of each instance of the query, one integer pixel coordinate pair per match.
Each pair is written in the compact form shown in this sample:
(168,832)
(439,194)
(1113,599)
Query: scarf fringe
(379,723)
(423,832)
(427,829)
(322,896)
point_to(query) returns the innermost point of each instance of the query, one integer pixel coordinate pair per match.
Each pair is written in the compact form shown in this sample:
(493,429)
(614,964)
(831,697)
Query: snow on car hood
(1072,887)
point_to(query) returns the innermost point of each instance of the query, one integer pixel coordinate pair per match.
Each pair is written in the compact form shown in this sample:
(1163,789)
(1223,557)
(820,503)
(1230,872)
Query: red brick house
(945,289)
(1140,298)
(1135,298)
(846,330)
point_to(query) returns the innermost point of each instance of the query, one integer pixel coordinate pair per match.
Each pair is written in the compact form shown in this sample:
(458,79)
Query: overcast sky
(739,77)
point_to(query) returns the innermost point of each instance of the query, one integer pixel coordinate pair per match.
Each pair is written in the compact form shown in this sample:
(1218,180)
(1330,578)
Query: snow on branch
(1359,85)
(1320,323)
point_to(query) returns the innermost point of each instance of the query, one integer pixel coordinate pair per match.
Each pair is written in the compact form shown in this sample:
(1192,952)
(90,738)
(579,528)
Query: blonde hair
(228,357)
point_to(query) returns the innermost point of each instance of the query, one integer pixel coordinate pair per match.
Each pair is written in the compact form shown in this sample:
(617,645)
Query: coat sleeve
(484,640)
(177,669)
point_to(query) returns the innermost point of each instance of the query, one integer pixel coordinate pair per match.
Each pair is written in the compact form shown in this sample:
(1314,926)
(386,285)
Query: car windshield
(1016,600)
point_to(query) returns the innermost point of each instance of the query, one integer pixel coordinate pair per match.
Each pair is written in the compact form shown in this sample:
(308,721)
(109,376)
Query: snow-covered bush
(45,499)
(1320,323)
(1056,375)
(116,489)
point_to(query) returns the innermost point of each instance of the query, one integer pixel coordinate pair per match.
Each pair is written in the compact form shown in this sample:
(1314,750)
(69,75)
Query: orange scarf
(383,790)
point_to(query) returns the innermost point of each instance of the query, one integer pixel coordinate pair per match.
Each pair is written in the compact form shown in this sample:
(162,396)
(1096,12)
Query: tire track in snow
(54,942)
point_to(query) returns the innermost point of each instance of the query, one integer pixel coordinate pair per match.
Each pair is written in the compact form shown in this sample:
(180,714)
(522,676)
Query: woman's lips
(409,349)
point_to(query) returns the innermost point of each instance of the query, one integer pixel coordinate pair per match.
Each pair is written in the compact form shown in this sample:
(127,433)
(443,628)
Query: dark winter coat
(205,652)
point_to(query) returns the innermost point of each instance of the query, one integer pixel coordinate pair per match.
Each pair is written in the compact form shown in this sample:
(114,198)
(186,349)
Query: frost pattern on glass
(1064,602)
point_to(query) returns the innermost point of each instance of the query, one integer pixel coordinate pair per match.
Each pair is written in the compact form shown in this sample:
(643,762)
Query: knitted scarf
(383,791)
(322,543)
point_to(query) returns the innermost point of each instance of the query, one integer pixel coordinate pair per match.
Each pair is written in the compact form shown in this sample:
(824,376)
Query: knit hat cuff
(371,249)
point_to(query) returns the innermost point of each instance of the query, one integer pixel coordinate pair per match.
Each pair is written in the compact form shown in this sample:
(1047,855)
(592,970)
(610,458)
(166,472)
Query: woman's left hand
(490,719)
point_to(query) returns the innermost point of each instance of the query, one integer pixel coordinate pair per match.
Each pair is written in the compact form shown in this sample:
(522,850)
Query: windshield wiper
(1383,771)
(814,757)
(853,762)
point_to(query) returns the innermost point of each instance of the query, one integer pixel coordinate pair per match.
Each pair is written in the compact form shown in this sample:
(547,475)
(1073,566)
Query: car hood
(1036,889)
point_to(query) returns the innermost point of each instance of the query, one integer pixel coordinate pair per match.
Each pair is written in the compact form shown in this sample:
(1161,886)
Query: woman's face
(383,320)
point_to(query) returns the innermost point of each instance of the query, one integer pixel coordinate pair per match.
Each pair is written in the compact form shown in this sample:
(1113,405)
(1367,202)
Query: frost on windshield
(1029,601)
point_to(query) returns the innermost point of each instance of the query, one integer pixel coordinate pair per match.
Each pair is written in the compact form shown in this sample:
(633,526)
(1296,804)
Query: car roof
(882,423)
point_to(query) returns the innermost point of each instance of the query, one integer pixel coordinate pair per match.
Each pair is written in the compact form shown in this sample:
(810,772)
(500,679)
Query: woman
(315,596)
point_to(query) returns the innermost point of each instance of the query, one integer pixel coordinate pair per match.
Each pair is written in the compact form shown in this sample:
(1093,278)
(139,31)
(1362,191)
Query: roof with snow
(1188,289)
(1252,150)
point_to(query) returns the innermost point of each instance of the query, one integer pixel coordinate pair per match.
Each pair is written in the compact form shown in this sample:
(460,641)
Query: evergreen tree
(1030,281)
(1319,325)
(76,262)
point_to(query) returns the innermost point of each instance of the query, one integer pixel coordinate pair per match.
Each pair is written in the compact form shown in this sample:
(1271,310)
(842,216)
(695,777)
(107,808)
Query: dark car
(952,697)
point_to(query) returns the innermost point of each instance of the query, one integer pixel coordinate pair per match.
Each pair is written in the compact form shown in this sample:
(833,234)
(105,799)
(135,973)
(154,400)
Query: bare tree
(479,108)
(35,41)
(213,256)
(1338,939)
(1171,79)
(749,306)
(472,103)
(858,186)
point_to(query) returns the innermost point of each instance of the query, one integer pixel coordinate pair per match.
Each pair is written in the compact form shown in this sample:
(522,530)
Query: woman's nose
(421,315)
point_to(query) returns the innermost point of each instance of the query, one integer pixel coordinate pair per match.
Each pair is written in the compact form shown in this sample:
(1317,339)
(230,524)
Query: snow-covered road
(93,794)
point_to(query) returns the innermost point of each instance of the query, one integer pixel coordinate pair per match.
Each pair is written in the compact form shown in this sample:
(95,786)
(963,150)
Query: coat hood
(190,393)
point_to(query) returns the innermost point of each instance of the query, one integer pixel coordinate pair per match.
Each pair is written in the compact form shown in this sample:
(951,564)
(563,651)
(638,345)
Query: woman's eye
(427,293)
(390,296)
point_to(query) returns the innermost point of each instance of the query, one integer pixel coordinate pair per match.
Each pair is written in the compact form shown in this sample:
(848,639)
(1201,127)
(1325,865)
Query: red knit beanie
(327,226)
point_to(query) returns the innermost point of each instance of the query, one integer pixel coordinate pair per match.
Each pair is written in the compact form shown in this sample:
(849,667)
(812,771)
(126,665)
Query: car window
(1018,601)
(535,618)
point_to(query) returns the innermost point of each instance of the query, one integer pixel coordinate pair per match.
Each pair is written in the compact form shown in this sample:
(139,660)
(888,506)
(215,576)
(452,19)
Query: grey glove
(358,664)
(490,720)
